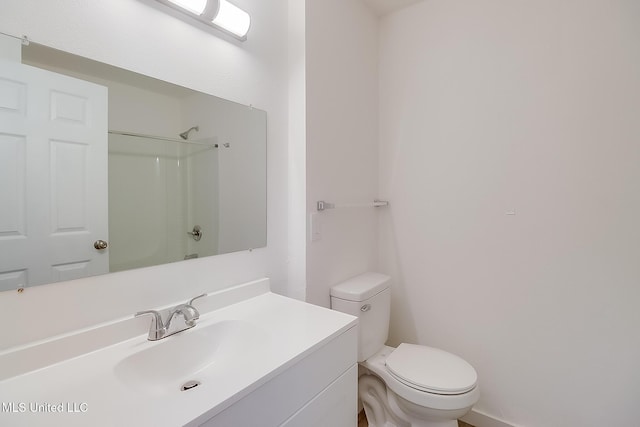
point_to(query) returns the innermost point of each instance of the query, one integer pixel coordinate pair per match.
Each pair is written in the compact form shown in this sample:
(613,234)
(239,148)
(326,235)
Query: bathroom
(459,114)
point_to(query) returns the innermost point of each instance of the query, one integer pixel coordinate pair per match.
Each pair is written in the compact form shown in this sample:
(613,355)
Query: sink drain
(189,385)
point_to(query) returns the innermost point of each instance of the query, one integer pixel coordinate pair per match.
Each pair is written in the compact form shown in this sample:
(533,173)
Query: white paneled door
(53,177)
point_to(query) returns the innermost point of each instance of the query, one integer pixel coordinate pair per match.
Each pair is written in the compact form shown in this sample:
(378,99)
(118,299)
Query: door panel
(54,127)
(70,271)
(13,279)
(68,186)
(12,190)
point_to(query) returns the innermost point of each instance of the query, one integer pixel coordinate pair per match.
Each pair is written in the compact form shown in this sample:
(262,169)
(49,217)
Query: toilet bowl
(407,386)
(452,393)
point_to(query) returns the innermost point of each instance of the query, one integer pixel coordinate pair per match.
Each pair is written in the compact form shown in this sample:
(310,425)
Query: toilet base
(384,408)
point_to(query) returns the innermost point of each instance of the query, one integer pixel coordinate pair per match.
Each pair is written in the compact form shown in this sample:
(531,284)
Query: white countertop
(86,391)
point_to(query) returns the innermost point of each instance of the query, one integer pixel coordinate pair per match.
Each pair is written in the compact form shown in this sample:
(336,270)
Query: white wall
(297,242)
(498,106)
(142,36)
(341,115)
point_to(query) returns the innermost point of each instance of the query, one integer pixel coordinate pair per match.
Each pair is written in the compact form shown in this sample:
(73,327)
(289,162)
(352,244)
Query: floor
(362,421)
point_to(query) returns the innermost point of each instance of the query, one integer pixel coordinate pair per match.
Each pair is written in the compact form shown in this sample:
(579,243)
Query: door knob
(100,245)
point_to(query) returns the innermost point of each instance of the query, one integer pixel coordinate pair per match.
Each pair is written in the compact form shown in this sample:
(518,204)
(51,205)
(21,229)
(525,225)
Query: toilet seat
(431,370)
(376,365)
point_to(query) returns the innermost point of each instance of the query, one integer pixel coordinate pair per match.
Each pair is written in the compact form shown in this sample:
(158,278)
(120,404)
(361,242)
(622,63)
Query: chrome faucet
(160,329)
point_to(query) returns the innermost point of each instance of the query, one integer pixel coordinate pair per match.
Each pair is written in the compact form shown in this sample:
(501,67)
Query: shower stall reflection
(159,190)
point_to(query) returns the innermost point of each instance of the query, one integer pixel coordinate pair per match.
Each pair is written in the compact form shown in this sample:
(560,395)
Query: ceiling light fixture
(220,14)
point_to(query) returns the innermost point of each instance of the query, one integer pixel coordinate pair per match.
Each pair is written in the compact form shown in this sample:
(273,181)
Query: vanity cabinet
(254,359)
(320,390)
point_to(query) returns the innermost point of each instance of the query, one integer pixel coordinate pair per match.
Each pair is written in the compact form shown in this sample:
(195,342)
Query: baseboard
(479,419)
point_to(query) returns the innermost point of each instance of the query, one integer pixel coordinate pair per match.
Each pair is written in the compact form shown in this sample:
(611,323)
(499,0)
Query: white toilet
(408,386)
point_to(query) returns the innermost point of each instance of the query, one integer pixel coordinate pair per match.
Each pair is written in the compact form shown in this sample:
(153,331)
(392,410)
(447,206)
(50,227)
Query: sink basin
(201,352)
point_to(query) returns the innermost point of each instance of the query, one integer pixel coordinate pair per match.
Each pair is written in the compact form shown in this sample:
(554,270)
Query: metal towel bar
(321,205)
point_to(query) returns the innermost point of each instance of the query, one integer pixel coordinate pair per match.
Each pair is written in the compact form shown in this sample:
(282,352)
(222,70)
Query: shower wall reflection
(159,191)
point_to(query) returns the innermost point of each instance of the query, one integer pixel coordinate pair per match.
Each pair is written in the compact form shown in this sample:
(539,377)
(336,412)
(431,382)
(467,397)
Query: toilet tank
(367,297)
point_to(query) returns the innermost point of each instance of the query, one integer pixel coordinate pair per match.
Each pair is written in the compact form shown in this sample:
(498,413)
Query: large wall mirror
(103,170)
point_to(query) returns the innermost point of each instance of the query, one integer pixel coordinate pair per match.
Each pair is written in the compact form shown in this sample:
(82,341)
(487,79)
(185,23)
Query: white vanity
(253,359)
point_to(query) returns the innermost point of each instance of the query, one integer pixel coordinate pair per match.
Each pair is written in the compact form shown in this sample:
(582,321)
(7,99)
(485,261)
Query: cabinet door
(335,406)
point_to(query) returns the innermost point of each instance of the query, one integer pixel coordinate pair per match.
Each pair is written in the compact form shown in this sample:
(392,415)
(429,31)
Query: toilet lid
(431,369)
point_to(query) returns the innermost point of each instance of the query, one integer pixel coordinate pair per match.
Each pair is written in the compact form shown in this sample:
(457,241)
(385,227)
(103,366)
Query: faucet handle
(157,329)
(196,313)
(156,315)
(195,298)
